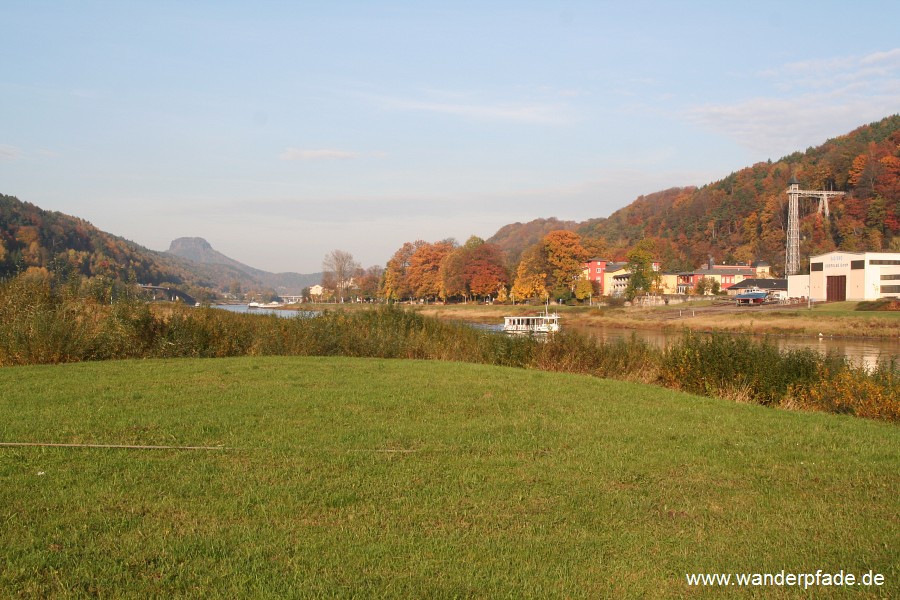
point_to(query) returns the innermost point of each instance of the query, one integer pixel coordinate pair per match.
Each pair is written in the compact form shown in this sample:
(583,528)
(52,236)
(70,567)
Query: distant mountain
(31,237)
(200,251)
(743,217)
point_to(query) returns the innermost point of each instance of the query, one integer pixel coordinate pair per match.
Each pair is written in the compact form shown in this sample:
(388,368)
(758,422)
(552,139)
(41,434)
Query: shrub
(884,304)
(852,390)
(730,366)
(574,352)
(43,320)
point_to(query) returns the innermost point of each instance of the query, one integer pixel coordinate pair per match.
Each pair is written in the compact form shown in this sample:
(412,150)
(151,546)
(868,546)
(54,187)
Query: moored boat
(545,323)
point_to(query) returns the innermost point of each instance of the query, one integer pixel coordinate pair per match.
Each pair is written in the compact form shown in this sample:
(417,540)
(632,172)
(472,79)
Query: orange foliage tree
(424,271)
(566,257)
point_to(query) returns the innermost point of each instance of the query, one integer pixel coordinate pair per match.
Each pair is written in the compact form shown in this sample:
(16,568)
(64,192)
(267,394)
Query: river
(867,352)
(281,312)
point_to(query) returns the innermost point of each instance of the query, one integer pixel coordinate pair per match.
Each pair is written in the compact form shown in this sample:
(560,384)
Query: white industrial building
(853,276)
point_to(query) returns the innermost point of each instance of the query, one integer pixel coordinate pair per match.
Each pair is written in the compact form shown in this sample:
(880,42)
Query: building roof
(719,271)
(867,254)
(763,284)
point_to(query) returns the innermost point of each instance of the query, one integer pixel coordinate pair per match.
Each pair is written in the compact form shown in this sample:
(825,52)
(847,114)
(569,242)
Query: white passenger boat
(545,323)
(253,305)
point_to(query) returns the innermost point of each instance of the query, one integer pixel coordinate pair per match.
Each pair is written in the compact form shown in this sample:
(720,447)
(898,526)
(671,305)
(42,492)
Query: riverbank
(835,320)
(331,477)
(57,327)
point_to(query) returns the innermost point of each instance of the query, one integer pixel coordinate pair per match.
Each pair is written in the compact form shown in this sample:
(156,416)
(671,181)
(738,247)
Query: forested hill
(31,237)
(514,238)
(743,217)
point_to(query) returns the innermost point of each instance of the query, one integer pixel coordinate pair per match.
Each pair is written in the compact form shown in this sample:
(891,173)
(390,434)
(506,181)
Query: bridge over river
(170,294)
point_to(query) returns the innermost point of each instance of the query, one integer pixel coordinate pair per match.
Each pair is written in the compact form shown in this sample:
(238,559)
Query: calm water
(863,351)
(288,314)
(866,352)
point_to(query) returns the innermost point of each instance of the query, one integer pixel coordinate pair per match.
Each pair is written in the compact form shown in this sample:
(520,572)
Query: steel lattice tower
(792,255)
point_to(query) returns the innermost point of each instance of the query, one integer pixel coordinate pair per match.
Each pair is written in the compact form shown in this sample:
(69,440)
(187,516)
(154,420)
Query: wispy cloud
(320,154)
(9,152)
(818,99)
(521,112)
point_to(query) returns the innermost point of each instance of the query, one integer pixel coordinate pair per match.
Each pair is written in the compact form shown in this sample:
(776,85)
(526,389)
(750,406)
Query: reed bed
(43,321)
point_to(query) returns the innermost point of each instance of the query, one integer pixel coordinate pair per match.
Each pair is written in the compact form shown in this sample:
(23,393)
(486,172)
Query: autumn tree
(532,274)
(475,268)
(584,289)
(887,184)
(395,284)
(453,275)
(485,272)
(595,247)
(368,281)
(424,270)
(566,256)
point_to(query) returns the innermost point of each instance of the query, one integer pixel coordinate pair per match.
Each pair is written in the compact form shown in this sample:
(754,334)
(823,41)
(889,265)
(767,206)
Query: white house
(852,276)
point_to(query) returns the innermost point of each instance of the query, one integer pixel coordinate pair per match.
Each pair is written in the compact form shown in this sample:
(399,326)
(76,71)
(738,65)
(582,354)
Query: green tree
(640,263)
(700,287)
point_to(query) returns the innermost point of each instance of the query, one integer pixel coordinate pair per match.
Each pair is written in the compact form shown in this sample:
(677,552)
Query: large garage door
(837,288)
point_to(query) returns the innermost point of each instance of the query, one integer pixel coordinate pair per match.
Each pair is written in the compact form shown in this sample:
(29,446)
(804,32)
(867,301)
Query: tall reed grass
(43,320)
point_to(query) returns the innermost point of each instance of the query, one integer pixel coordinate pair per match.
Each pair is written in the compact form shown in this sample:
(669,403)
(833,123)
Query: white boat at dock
(254,305)
(545,323)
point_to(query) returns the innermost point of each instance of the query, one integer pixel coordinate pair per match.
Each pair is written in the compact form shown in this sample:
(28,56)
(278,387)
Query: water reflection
(867,352)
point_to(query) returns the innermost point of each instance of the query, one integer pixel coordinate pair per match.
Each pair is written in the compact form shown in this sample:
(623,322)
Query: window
(884,262)
(890,289)
(817,267)
(857,264)
(890,277)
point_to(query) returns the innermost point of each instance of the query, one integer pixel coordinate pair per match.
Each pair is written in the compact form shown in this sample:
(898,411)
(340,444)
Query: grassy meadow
(45,320)
(361,477)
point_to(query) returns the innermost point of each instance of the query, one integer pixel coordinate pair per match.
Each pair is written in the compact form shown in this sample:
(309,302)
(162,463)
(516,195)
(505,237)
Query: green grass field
(390,478)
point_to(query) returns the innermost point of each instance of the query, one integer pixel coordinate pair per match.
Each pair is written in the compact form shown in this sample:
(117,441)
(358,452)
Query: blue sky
(279,131)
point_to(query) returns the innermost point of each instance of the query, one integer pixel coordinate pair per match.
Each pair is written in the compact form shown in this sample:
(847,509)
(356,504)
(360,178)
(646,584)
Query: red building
(599,270)
(596,268)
